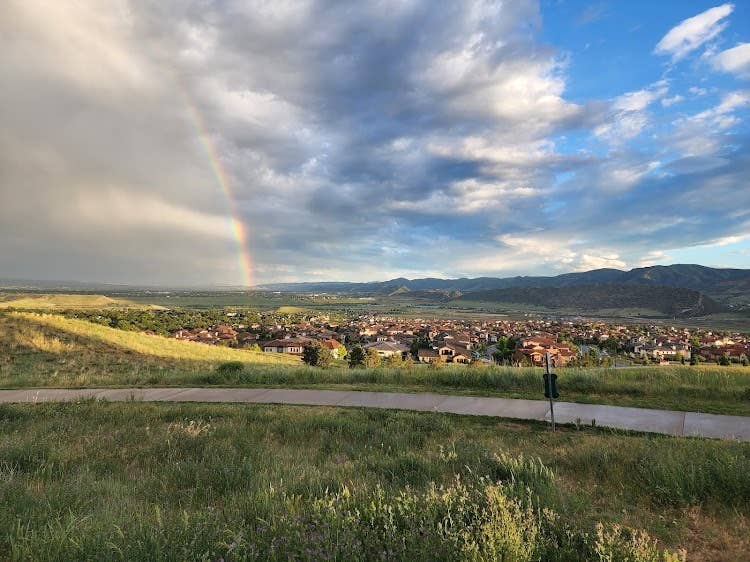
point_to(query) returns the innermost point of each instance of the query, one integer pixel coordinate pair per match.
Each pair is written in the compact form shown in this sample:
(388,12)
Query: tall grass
(130,481)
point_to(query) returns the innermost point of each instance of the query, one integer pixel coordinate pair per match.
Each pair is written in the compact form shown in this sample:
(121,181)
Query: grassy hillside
(47,350)
(133,481)
(60,301)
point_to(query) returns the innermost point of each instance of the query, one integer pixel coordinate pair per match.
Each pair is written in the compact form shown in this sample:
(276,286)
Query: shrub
(230,368)
(621,544)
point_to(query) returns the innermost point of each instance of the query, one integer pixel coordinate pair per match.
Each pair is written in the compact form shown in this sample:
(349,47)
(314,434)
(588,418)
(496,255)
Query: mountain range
(730,287)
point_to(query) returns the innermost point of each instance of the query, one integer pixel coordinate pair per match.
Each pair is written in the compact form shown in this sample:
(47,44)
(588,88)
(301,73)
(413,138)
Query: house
(335,347)
(388,348)
(428,356)
(294,346)
(533,349)
(453,353)
(667,352)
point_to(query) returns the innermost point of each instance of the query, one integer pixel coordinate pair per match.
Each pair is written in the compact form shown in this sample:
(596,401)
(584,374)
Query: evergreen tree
(356,357)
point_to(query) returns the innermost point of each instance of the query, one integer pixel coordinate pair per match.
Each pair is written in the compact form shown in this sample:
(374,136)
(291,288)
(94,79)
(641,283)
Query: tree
(505,347)
(325,357)
(372,359)
(310,353)
(399,361)
(724,361)
(417,344)
(356,357)
(316,355)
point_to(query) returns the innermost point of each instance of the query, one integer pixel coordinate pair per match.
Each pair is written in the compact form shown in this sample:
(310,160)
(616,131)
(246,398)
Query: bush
(621,544)
(230,369)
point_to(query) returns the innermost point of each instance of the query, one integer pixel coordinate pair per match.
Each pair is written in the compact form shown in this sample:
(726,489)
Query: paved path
(639,419)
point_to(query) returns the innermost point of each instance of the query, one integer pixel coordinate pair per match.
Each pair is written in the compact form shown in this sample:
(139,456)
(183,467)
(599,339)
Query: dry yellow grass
(64,301)
(29,337)
(157,346)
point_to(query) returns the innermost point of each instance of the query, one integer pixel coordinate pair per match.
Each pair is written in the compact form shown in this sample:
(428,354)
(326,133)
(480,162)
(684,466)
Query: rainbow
(237,226)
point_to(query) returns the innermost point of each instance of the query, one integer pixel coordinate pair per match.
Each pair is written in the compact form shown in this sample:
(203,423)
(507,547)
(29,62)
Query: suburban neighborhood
(521,342)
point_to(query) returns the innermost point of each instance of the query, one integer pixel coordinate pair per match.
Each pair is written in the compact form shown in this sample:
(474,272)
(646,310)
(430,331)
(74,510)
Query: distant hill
(730,286)
(670,301)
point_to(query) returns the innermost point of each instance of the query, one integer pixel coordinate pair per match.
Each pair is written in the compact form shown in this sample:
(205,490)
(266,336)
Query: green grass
(49,350)
(135,481)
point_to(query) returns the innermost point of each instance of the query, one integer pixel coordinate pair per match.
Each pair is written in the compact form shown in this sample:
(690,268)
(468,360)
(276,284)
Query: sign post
(550,388)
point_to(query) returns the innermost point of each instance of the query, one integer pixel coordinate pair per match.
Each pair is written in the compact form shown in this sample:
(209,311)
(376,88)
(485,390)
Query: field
(50,350)
(61,301)
(133,481)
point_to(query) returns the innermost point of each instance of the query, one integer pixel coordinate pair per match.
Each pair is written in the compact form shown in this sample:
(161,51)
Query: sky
(228,142)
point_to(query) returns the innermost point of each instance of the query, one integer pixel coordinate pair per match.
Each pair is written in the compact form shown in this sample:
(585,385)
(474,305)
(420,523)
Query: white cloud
(693,32)
(588,261)
(700,134)
(735,60)
(666,102)
(561,254)
(654,257)
(629,116)
(640,99)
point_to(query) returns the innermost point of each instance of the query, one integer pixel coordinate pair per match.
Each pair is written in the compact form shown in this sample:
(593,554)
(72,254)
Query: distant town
(510,342)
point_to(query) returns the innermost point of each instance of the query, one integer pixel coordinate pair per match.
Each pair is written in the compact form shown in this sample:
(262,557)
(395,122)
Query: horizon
(60,283)
(234,144)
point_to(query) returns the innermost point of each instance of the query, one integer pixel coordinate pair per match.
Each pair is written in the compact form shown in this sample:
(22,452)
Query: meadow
(62,301)
(136,481)
(51,350)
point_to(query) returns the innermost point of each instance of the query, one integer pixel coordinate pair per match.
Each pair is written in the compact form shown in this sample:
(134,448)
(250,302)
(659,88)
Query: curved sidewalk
(668,422)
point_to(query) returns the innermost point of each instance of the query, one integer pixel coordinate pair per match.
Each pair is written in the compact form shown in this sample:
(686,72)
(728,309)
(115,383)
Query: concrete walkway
(639,419)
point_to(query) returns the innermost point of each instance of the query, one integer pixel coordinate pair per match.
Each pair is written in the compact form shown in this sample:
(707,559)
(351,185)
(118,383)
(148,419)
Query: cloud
(666,102)
(654,257)
(702,134)
(640,99)
(628,117)
(693,32)
(735,60)
(387,138)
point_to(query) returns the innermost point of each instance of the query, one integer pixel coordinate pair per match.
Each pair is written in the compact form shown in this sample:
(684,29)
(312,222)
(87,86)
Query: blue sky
(373,140)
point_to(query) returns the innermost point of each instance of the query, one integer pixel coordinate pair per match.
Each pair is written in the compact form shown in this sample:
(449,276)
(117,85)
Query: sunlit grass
(158,346)
(138,481)
(60,301)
